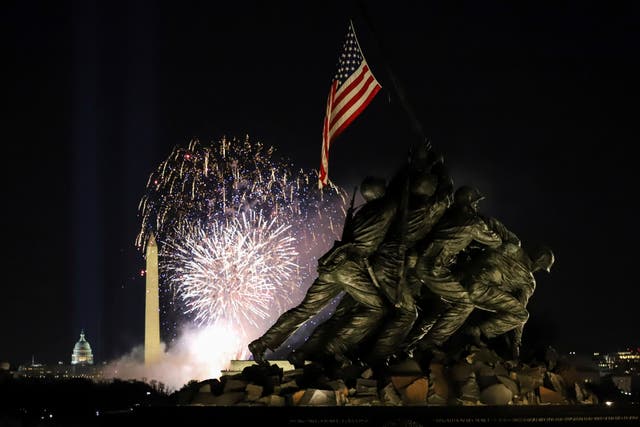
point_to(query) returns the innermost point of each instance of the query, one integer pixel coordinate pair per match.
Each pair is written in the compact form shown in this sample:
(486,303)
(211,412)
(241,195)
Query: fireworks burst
(219,181)
(232,272)
(241,229)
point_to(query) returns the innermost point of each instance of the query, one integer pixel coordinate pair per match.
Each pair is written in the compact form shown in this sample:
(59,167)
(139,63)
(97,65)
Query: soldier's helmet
(372,187)
(466,196)
(423,185)
(543,259)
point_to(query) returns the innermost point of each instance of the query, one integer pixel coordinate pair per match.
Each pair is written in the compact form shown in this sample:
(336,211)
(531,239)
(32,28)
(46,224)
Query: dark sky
(535,103)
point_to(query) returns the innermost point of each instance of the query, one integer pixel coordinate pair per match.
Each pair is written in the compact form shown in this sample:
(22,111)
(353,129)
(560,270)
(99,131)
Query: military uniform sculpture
(415,261)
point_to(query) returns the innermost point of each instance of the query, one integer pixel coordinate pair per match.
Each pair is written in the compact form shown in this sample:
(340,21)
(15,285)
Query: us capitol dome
(82,354)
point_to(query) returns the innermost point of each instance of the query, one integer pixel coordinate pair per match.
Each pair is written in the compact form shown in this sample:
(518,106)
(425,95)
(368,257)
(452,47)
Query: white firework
(238,271)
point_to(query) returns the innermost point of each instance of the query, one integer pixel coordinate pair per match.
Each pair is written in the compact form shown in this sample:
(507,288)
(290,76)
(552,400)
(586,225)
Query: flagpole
(399,92)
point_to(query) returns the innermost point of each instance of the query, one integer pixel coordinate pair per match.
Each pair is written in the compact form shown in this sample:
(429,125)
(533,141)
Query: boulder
(511,384)
(496,394)
(225,399)
(548,396)
(367,374)
(366,387)
(390,396)
(530,378)
(235,385)
(363,401)
(401,381)
(315,397)
(555,382)
(272,400)
(416,392)
(297,397)
(253,392)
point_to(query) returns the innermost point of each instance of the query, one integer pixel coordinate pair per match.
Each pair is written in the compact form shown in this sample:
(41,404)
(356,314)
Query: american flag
(352,89)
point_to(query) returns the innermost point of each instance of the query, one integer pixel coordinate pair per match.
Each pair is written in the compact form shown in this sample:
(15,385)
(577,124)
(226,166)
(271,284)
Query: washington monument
(152,305)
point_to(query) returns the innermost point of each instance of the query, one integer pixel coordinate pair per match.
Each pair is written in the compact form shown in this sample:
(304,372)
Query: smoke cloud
(197,354)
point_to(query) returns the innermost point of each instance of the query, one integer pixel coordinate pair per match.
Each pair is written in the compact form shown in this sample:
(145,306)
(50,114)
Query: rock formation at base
(476,376)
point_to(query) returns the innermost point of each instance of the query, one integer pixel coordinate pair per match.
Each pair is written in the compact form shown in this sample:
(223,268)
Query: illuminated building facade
(82,354)
(82,365)
(59,371)
(622,368)
(621,362)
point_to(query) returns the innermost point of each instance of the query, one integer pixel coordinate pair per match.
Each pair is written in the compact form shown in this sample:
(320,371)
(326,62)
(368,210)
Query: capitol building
(82,354)
(81,366)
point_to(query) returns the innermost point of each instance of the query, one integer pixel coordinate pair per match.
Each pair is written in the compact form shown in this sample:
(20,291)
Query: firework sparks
(242,230)
(232,272)
(219,181)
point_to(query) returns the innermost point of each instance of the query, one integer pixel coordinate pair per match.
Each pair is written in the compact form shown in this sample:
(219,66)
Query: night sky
(535,103)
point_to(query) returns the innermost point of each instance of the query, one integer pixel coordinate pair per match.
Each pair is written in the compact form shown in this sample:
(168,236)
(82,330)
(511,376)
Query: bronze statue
(342,270)
(371,283)
(424,197)
(414,262)
(430,196)
(458,229)
(501,281)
